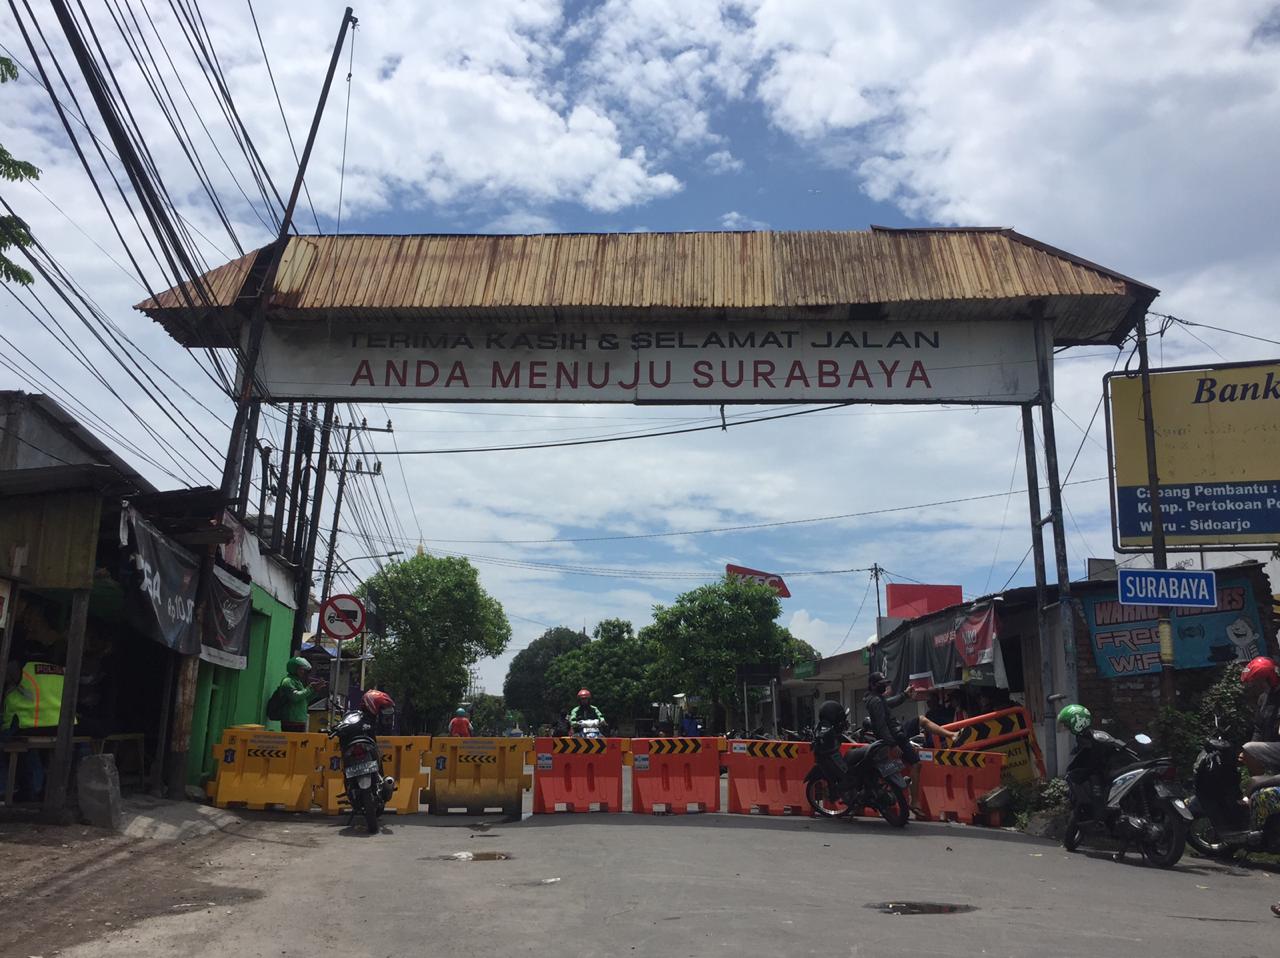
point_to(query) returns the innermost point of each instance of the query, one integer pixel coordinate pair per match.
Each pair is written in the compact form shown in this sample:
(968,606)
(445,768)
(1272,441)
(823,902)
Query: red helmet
(1261,668)
(584,693)
(374,701)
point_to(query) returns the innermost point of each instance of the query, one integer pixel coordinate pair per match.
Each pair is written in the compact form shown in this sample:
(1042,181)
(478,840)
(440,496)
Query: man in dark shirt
(1261,677)
(880,703)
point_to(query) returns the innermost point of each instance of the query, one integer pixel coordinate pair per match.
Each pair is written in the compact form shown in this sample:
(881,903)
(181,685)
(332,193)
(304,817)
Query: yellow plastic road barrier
(403,757)
(479,775)
(259,769)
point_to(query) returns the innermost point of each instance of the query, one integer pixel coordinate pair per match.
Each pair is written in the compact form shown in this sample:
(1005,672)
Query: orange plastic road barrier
(952,781)
(675,776)
(259,769)
(767,778)
(578,775)
(1010,731)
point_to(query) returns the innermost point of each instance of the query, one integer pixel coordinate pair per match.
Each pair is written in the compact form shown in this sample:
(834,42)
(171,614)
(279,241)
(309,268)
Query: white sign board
(727,362)
(342,617)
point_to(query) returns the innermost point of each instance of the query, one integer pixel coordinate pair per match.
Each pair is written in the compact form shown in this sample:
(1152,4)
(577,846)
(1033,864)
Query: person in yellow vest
(32,700)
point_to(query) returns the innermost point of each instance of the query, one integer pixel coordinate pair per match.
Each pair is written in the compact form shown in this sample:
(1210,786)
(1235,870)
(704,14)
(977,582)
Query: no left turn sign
(342,617)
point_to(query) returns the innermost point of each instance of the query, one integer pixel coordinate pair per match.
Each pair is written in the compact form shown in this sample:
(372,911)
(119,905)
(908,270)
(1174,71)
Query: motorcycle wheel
(1203,837)
(371,813)
(893,806)
(824,805)
(1072,835)
(1167,852)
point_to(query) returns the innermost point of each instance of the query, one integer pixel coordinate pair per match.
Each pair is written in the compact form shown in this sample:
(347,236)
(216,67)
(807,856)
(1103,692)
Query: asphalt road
(627,885)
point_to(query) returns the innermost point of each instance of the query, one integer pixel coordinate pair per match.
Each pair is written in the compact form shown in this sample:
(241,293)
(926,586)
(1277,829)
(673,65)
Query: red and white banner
(764,578)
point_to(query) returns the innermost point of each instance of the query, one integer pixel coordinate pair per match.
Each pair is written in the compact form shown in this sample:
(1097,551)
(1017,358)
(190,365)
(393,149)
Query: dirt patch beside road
(74,884)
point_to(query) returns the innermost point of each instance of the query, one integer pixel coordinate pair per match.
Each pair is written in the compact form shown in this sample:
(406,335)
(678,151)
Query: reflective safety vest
(36,700)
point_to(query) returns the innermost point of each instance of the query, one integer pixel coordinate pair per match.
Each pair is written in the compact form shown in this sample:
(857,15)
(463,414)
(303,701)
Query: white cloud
(722,161)
(521,221)
(733,220)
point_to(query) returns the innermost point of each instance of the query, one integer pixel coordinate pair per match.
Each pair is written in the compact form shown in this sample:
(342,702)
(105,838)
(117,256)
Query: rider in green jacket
(298,694)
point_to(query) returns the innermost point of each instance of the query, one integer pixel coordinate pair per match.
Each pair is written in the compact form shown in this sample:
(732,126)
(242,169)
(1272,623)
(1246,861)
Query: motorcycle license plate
(891,767)
(364,768)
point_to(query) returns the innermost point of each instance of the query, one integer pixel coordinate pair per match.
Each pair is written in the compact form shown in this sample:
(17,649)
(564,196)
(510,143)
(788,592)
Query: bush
(1182,731)
(1050,796)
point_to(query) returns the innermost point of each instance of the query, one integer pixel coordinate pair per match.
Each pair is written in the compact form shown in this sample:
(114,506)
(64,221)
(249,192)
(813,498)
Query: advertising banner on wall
(675,362)
(1125,641)
(1217,432)
(160,594)
(942,649)
(227,611)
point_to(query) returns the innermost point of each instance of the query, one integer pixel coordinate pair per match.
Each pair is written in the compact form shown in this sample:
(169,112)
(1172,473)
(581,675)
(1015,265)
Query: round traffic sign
(342,617)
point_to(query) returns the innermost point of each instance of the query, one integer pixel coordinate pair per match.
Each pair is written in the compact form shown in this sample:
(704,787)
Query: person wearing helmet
(584,710)
(380,710)
(296,692)
(880,704)
(460,725)
(1261,756)
(1076,719)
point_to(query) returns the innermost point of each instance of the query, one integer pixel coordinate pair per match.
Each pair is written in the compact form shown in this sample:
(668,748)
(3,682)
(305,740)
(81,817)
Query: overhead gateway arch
(966,315)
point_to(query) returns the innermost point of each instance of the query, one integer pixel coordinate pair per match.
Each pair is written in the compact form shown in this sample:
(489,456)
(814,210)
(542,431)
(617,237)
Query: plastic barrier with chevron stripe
(260,769)
(675,776)
(1009,731)
(578,775)
(767,778)
(951,781)
(478,775)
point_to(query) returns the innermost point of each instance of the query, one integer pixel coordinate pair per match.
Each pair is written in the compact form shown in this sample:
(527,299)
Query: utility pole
(282,486)
(303,613)
(1159,553)
(1049,738)
(876,572)
(180,740)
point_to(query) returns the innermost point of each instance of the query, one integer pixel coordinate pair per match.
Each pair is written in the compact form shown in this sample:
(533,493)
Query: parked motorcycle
(1114,790)
(367,790)
(1222,822)
(869,777)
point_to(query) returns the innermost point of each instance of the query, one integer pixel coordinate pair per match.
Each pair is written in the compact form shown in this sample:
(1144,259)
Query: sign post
(342,617)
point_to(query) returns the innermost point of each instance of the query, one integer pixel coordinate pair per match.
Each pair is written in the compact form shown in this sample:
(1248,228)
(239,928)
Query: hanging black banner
(227,605)
(160,591)
(936,651)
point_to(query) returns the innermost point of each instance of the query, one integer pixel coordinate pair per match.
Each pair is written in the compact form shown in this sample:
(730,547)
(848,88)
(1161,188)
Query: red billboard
(907,601)
(764,578)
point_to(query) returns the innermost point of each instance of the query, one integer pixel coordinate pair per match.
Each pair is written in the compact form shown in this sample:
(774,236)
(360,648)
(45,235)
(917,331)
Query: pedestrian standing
(294,695)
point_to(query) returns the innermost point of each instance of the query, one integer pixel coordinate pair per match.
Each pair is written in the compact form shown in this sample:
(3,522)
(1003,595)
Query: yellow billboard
(1217,435)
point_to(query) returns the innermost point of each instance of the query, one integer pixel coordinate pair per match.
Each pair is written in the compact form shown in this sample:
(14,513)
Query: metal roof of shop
(907,275)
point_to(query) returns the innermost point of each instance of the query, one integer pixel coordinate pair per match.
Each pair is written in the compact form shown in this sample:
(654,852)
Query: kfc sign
(764,578)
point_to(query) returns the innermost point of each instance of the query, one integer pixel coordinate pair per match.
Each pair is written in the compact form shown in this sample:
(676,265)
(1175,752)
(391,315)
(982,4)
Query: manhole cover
(475,857)
(920,908)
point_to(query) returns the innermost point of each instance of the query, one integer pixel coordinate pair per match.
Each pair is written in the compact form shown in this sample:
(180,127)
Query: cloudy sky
(1143,136)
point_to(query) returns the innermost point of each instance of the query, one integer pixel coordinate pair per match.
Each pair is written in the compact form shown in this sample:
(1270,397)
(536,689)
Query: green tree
(488,714)
(525,687)
(700,640)
(437,622)
(14,233)
(617,667)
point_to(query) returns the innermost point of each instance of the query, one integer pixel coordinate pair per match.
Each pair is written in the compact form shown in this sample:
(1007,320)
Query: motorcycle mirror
(1142,739)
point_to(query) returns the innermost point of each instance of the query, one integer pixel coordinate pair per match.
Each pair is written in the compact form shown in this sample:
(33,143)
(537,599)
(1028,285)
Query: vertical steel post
(1050,738)
(282,485)
(302,616)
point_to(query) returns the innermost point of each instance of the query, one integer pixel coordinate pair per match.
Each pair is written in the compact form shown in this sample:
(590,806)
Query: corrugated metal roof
(908,275)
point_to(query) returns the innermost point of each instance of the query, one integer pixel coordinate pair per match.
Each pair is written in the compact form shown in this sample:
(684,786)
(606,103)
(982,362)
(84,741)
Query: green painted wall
(226,697)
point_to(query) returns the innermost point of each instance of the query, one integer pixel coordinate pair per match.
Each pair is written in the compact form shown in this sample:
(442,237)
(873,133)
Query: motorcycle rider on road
(1261,755)
(584,711)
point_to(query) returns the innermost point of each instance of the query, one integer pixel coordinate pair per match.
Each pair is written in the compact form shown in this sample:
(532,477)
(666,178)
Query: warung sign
(725,362)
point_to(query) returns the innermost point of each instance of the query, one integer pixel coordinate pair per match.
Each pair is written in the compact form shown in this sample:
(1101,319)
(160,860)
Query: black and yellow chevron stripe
(267,752)
(579,746)
(992,728)
(955,759)
(773,749)
(465,758)
(674,746)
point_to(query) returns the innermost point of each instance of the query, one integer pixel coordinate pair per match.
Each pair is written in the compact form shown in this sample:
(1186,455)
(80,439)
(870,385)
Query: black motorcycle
(868,777)
(1116,791)
(1222,822)
(368,791)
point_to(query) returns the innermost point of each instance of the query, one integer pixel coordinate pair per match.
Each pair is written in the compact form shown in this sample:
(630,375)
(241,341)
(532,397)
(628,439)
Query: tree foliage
(525,687)
(617,667)
(488,715)
(13,231)
(702,637)
(437,622)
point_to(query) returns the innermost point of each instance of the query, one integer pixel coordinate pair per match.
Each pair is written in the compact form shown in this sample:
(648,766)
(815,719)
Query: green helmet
(1076,718)
(297,664)
(462,712)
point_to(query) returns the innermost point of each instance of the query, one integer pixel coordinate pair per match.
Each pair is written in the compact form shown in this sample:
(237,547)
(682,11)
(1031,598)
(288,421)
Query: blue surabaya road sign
(1180,588)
